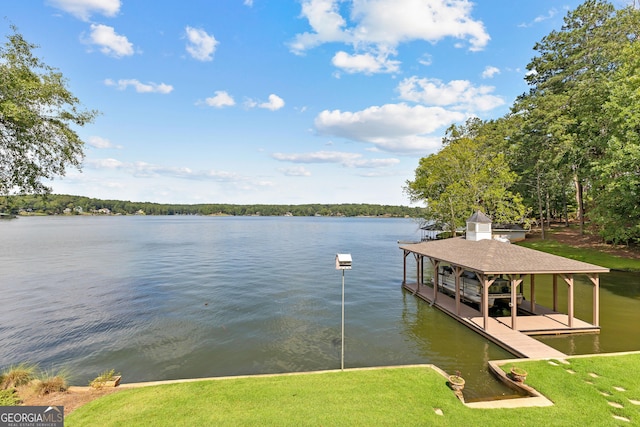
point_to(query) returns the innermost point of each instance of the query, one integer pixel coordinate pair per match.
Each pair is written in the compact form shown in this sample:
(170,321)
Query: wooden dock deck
(499,330)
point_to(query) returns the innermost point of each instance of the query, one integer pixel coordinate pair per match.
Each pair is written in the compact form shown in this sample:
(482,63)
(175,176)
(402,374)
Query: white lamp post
(343,262)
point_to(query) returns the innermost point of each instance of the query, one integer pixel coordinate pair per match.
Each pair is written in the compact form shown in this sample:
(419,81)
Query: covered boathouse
(478,259)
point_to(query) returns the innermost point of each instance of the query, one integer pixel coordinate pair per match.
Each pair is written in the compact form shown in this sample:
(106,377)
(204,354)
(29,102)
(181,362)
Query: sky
(277,101)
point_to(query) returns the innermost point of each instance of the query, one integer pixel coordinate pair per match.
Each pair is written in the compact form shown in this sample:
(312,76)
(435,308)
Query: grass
(51,382)
(17,375)
(29,375)
(591,256)
(385,397)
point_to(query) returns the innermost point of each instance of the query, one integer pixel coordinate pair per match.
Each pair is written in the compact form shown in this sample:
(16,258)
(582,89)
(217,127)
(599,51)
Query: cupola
(478,227)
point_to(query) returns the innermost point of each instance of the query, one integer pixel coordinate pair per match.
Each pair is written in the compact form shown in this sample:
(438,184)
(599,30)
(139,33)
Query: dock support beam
(532,296)
(458,272)
(555,293)
(404,272)
(569,279)
(436,278)
(515,280)
(485,302)
(595,280)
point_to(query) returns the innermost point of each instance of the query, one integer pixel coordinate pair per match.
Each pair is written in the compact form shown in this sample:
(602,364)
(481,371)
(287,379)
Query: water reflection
(453,347)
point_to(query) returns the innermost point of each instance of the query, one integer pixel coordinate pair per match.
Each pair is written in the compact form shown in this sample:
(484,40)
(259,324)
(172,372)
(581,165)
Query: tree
(37,113)
(466,175)
(617,178)
(569,80)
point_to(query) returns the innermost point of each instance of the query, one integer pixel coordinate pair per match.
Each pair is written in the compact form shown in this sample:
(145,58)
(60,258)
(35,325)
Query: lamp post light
(343,262)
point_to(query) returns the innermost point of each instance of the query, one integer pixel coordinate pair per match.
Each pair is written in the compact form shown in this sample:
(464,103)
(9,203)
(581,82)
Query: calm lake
(186,296)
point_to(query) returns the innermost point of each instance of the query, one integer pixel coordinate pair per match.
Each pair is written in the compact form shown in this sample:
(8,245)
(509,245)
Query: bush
(17,375)
(51,383)
(9,397)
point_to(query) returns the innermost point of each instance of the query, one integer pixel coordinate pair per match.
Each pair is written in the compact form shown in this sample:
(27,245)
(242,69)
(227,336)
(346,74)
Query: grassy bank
(583,393)
(592,256)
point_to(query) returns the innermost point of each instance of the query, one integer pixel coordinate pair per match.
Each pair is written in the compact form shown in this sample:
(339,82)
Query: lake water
(179,297)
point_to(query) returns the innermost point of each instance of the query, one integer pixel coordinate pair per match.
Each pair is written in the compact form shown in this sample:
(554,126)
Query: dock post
(485,303)
(595,280)
(569,279)
(532,297)
(555,293)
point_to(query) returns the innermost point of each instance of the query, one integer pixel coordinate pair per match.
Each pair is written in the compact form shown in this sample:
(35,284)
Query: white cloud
(391,127)
(275,103)
(148,170)
(351,160)
(365,63)
(540,18)
(201,46)
(221,99)
(248,3)
(104,163)
(327,24)
(380,25)
(150,87)
(490,71)
(426,59)
(318,157)
(83,9)
(295,171)
(101,143)
(458,94)
(110,43)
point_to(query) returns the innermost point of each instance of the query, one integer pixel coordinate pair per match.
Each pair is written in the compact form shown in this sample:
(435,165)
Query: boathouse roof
(494,257)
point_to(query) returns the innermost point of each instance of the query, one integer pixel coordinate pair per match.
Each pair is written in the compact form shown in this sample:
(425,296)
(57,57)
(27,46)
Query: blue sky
(277,101)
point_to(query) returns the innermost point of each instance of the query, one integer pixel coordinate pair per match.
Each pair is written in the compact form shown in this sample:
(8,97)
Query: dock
(516,341)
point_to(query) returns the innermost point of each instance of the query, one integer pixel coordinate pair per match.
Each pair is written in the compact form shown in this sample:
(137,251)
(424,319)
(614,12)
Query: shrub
(17,375)
(9,397)
(51,382)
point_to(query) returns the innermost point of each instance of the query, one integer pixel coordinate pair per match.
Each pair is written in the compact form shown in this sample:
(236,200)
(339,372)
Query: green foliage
(9,397)
(571,144)
(617,173)
(567,138)
(37,116)
(56,204)
(465,176)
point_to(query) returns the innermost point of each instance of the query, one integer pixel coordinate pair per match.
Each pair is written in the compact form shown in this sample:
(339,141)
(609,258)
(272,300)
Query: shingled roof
(494,257)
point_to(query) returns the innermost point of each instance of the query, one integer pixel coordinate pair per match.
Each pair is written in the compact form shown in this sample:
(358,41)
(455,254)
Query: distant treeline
(59,204)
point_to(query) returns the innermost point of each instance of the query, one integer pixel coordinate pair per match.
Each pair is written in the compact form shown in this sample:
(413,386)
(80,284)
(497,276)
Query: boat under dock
(499,330)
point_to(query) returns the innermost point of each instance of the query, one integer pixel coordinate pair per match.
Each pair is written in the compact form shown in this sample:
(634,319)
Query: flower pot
(114,381)
(456,382)
(518,374)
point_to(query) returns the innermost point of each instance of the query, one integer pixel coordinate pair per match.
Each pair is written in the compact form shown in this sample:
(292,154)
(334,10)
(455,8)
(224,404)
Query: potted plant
(518,374)
(106,379)
(456,382)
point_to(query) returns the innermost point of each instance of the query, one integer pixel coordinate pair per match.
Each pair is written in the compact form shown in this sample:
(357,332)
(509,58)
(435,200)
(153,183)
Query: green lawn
(591,256)
(385,397)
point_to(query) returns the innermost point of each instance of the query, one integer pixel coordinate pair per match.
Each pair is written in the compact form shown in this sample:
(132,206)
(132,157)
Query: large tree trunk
(453,219)
(566,210)
(580,202)
(540,205)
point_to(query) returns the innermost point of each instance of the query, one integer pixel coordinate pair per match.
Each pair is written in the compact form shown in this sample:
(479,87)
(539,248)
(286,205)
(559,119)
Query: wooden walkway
(499,329)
